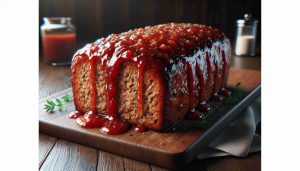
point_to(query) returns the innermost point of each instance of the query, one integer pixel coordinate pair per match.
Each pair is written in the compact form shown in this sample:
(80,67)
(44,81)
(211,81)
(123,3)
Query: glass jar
(246,36)
(59,40)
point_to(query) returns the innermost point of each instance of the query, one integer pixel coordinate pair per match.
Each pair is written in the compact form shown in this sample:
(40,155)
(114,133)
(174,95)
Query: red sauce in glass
(58,47)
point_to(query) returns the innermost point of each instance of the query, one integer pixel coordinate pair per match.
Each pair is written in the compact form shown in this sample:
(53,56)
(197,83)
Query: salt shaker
(59,40)
(246,36)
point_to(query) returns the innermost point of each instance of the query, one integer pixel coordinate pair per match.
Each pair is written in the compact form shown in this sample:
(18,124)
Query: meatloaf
(151,76)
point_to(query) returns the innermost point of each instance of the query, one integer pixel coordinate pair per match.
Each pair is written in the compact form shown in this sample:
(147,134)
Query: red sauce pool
(58,47)
(91,120)
(224,92)
(107,125)
(195,115)
(217,97)
(140,128)
(74,115)
(115,127)
(204,106)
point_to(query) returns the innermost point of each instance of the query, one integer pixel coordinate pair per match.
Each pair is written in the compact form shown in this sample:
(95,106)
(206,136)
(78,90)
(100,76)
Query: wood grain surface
(108,161)
(70,156)
(60,80)
(45,147)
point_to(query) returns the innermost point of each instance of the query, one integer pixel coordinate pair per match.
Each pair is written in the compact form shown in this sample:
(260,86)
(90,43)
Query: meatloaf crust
(151,76)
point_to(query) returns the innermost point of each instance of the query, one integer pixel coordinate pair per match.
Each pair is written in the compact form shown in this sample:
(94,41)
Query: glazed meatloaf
(151,76)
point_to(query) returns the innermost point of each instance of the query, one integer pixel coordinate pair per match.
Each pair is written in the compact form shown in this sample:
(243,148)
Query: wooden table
(56,154)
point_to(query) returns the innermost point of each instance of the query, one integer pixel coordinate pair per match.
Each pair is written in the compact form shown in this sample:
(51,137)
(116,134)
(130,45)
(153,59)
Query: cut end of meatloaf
(153,93)
(81,86)
(152,115)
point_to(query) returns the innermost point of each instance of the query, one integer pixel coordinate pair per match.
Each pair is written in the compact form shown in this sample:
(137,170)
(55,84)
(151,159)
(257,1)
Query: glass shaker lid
(247,20)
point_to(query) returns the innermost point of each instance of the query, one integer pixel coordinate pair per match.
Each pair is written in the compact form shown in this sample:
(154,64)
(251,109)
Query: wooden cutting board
(171,150)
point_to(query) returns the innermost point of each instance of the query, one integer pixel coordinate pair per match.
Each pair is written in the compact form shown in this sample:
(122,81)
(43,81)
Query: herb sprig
(50,105)
(67,98)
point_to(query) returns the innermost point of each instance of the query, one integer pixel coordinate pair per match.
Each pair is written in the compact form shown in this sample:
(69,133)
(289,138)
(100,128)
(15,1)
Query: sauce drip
(224,70)
(209,72)
(215,89)
(93,84)
(190,81)
(111,88)
(224,92)
(201,82)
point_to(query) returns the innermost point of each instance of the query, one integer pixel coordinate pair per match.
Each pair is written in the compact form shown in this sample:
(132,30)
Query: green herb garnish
(67,98)
(59,104)
(50,105)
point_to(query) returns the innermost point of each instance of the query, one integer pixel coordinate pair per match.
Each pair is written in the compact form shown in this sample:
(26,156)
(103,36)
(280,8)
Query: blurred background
(97,18)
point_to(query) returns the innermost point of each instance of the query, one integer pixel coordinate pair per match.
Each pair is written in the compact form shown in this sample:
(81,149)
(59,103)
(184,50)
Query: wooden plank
(163,149)
(70,156)
(49,77)
(251,163)
(46,144)
(108,161)
(134,165)
(156,168)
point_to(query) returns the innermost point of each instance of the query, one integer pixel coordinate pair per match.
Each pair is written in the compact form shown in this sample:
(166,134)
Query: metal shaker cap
(247,20)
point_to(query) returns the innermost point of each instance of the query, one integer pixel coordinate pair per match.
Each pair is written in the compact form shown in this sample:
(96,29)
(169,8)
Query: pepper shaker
(246,36)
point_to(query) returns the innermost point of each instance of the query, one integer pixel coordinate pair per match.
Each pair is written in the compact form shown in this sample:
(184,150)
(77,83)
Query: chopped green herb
(67,98)
(50,105)
(59,104)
